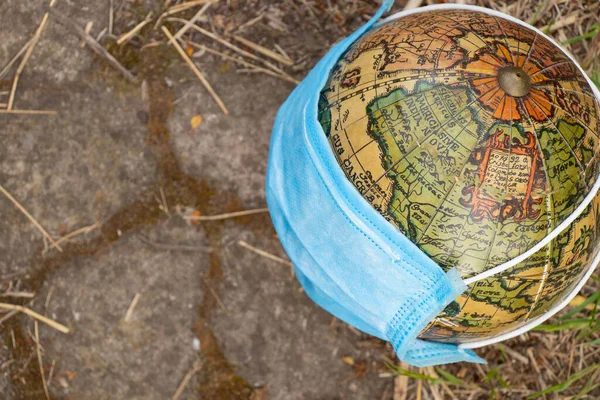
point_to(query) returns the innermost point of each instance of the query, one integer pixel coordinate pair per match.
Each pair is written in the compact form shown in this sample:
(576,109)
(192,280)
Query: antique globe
(477,138)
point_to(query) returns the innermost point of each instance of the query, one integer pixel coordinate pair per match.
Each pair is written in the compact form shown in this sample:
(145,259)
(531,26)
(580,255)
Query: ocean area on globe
(434,180)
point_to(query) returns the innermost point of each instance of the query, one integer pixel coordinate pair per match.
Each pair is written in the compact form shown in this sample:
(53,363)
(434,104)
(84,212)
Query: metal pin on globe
(514,81)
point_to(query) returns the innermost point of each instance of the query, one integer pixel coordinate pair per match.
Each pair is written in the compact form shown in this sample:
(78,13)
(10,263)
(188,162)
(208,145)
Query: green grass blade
(547,30)
(537,12)
(592,33)
(596,79)
(567,383)
(494,373)
(591,385)
(449,378)
(404,372)
(593,327)
(579,323)
(592,299)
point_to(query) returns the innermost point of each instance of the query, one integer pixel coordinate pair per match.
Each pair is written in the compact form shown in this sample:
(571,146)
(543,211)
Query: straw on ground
(132,305)
(194,68)
(71,235)
(257,68)
(39,355)
(31,46)
(93,44)
(268,255)
(226,215)
(14,307)
(185,381)
(30,217)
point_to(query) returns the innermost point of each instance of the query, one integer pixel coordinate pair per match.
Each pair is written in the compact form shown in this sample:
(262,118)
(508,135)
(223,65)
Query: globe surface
(476,137)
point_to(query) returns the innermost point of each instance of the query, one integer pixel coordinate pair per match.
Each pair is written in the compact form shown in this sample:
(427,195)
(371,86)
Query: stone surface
(145,356)
(93,162)
(228,149)
(281,340)
(77,167)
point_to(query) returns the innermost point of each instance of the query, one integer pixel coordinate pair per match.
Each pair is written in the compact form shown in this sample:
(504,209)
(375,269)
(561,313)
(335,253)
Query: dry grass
(17,308)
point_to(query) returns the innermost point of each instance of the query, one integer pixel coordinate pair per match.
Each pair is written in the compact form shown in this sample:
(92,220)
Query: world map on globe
(476,137)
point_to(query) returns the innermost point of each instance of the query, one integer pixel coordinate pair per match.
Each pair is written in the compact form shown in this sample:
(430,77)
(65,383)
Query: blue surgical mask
(348,258)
